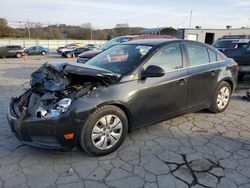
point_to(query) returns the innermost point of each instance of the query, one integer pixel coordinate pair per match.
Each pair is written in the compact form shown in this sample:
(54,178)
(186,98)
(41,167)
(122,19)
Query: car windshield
(114,42)
(225,44)
(120,58)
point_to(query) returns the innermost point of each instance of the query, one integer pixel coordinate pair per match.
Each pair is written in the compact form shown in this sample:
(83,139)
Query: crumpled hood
(53,76)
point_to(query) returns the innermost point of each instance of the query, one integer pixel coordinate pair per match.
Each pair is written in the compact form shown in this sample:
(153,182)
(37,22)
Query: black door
(209,38)
(162,97)
(203,71)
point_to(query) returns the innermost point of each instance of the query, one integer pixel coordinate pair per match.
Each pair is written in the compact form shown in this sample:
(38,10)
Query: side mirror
(153,71)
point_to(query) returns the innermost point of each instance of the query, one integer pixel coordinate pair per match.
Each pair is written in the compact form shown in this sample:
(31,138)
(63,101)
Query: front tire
(104,130)
(221,97)
(43,53)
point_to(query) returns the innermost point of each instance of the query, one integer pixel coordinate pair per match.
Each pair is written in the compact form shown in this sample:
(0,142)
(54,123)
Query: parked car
(85,56)
(12,51)
(37,50)
(67,47)
(225,43)
(241,54)
(74,52)
(128,86)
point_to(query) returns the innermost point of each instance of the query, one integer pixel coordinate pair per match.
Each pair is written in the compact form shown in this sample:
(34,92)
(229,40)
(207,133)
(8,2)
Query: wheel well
(230,83)
(128,114)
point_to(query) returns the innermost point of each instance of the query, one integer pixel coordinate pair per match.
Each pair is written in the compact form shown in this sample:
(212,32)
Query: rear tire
(221,97)
(18,55)
(69,55)
(104,130)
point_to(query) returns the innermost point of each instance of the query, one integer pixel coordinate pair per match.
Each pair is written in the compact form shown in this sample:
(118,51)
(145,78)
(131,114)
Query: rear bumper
(43,133)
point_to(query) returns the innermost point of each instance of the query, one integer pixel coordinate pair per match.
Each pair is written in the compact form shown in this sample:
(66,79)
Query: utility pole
(28,27)
(248,21)
(190,19)
(91,32)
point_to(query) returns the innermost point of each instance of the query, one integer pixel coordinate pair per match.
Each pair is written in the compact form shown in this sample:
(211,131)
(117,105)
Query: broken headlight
(61,107)
(63,104)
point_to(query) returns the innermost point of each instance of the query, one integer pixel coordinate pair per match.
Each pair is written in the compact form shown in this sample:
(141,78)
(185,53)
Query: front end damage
(44,115)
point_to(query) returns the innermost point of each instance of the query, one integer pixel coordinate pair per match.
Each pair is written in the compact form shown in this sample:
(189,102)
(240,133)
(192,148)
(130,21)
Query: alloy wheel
(223,97)
(107,132)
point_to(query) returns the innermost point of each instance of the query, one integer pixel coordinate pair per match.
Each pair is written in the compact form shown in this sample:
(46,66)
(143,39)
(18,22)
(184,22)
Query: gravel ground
(194,150)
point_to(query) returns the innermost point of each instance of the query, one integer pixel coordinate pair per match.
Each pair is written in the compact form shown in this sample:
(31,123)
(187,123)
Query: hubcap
(106,132)
(223,97)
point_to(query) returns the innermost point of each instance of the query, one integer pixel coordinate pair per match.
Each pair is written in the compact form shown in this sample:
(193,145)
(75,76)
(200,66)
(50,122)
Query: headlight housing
(63,104)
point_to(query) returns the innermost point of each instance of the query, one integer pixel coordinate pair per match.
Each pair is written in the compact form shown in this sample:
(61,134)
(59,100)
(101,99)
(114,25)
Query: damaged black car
(126,87)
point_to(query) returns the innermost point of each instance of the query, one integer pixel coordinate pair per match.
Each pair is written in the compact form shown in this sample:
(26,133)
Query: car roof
(13,46)
(151,42)
(125,36)
(223,39)
(244,41)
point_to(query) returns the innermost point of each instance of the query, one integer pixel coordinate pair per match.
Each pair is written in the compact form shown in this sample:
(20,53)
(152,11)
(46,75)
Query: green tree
(5,30)
(53,32)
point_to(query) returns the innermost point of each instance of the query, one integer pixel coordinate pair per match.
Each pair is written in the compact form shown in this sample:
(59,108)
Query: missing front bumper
(43,133)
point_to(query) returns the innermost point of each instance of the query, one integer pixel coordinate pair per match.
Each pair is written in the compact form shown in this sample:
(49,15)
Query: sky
(141,13)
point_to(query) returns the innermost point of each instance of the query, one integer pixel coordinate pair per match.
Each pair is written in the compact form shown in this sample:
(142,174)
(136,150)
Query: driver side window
(169,58)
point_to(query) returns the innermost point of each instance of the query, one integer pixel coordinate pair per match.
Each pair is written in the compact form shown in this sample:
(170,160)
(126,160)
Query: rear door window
(197,54)
(212,56)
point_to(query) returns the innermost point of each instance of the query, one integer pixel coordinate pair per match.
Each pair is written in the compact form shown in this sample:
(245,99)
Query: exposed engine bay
(54,86)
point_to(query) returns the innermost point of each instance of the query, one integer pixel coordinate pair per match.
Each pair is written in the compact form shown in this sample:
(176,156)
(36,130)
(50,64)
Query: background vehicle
(224,44)
(127,86)
(67,47)
(37,50)
(74,52)
(241,54)
(12,51)
(84,57)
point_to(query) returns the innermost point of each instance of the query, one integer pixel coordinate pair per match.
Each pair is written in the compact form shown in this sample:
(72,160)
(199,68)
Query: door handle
(181,81)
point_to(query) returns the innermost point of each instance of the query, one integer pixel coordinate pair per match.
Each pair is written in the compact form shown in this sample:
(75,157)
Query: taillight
(236,66)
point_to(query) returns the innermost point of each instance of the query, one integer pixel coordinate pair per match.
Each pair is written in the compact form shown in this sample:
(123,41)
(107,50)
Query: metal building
(210,35)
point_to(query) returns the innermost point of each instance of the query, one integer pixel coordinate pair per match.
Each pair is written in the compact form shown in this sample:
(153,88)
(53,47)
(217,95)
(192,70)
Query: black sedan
(128,86)
(70,53)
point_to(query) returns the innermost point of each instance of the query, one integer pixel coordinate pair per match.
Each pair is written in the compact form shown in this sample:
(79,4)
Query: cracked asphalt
(194,150)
